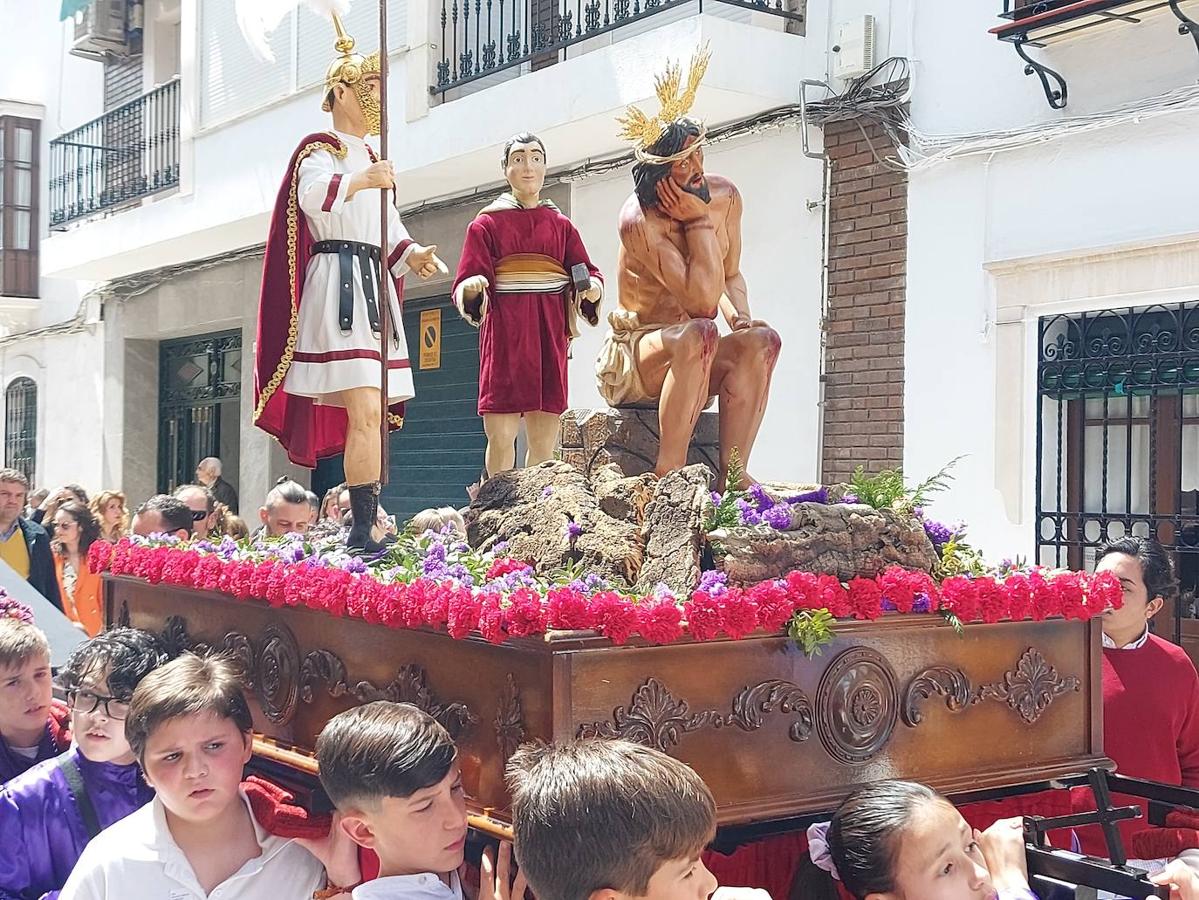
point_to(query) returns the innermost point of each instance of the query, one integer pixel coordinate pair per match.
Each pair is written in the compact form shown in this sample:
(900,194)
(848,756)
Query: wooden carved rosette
(774,733)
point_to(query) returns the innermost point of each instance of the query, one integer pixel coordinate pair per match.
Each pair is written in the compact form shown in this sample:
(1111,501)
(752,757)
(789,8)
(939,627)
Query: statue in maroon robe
(515,284)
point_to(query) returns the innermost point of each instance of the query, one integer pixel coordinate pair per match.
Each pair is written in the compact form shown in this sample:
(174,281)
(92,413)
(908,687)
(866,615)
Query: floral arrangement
(437,581)
(11,608)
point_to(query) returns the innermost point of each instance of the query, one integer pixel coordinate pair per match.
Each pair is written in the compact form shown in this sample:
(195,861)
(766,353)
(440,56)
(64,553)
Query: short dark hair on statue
(525,137)
(647,175)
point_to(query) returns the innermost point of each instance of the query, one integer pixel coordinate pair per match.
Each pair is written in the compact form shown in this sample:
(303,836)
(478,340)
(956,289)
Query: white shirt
(138,859)
(1140,642)
(426,886)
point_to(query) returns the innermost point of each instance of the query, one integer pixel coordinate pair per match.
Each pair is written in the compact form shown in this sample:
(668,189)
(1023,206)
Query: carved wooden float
(774,734)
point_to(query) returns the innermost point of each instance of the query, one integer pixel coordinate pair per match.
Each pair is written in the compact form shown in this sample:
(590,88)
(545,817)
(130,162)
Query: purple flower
(662,592)
(778,517)
(594,583)
(547,491)
(817,496)
(573,530)
(937,533)
(715,498)
(713,582)
(500,549)
(850,498)
(922,604)
(354,565)
(762,500)
(748,515)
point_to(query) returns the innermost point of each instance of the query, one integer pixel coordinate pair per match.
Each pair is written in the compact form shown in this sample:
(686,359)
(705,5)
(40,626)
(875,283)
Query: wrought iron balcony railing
(480,38)
(127,153)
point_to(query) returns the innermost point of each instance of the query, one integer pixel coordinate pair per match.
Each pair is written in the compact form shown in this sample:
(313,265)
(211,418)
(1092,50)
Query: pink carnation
(614,616)
(659,620)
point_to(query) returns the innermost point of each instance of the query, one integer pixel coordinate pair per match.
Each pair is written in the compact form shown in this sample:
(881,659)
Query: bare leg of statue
(363,466)
(675,364)
(741,375)
(501,429)
(541,429)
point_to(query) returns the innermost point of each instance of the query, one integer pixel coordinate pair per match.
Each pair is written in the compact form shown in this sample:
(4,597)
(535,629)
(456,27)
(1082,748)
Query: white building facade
(923,346)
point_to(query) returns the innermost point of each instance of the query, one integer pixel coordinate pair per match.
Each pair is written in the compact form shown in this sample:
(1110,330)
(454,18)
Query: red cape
(307,431)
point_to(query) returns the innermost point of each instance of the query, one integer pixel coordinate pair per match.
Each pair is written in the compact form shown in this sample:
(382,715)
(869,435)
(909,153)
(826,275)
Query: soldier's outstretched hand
(425,262)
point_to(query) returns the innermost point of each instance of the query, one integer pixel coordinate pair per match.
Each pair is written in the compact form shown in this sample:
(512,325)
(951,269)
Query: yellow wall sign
(430,339)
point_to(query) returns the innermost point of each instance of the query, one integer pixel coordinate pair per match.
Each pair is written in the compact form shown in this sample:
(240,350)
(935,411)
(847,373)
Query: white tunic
(328,360)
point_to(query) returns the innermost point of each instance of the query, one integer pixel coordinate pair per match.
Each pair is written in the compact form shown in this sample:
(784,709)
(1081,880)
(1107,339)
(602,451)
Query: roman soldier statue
(318,360)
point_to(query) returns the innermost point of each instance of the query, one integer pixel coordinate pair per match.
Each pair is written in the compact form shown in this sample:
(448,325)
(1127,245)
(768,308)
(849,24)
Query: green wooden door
(440,449)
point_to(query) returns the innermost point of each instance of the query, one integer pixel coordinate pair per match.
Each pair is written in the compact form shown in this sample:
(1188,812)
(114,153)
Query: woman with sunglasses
(75,529)
(49,813)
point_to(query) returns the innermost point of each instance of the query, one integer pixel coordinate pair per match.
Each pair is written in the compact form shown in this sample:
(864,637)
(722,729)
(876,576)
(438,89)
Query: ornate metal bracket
(1187,25)
(1055,96)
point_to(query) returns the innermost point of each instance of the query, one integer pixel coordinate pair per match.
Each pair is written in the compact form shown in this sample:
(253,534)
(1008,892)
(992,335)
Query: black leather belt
(368,259)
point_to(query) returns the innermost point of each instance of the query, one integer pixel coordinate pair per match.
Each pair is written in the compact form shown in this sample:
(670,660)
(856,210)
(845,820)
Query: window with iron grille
(20,427)
(1118,434)
(18,206)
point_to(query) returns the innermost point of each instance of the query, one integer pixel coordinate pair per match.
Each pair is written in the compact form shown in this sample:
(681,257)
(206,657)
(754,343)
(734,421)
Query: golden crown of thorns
(643,130)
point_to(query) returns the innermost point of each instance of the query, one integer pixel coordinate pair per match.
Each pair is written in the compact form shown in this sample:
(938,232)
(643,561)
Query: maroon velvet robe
(524,336)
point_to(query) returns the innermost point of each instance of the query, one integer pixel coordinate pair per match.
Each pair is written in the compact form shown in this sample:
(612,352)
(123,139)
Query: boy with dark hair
(392,772)
(610,820)
(1149,732)
(50,813)
(33,725)
(189,727)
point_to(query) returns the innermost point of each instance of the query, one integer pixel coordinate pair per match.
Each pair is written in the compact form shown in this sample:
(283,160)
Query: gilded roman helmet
(352,69)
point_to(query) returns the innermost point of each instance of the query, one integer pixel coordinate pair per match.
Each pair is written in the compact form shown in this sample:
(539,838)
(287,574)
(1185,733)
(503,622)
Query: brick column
(863,371)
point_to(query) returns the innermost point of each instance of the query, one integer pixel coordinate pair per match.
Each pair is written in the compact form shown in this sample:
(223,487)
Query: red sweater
(1150,725)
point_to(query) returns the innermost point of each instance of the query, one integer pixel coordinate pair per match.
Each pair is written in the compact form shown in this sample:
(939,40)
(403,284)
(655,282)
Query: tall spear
(385,284)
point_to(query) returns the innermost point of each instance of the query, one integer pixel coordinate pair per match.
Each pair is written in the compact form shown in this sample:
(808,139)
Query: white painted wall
(781,261)
(38,70)
(995,241)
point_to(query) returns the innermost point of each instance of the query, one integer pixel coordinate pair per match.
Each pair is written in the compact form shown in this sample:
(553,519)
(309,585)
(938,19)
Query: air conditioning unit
(853,54)
(100,30)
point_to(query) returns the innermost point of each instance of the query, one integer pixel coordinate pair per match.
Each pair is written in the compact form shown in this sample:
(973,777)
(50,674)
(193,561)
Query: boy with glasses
(51,812)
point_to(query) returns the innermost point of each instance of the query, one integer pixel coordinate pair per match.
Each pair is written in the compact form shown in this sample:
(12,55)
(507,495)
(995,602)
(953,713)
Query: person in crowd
(612,820)
(35,500)
(392,773)
(50,813)
(111,512)
(24,544)
(44,513)
(285,510)
(202,503)
(189,726)
(163,514)
(75,530)
(435,519)
(235,527)
(899,840)
(33,725)
(208,473)
(1149,732)
(331,505)
(315,503)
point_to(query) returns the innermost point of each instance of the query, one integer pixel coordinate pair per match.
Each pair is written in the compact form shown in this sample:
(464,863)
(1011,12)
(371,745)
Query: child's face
(681,879)
(25,692)
(422,833)
(938,859)
(98,720)
(195,763)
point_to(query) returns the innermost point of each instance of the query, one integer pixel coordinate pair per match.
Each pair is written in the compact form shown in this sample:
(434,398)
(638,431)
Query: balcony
(124,155)
(503,37)
(1040,23)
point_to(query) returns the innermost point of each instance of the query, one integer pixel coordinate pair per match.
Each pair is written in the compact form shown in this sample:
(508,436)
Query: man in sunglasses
(164,514)
(50,813)
(202,503)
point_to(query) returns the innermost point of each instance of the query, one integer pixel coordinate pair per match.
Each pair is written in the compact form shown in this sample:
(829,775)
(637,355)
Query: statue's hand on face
(678,204)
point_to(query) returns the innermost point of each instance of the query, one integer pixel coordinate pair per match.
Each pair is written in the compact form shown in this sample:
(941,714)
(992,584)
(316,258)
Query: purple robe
(41,829)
